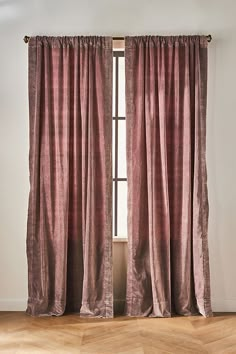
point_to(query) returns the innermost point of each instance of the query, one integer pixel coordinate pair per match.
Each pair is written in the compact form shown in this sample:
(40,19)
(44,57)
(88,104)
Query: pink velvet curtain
(168,267)
(69,237)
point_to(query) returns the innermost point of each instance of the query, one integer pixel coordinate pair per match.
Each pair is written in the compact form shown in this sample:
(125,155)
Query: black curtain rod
(27,38)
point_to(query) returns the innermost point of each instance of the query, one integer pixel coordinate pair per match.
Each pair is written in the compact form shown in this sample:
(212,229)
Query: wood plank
(20,333)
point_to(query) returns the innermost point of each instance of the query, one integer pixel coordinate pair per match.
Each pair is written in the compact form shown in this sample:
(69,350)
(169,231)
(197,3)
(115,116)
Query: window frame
(115,179)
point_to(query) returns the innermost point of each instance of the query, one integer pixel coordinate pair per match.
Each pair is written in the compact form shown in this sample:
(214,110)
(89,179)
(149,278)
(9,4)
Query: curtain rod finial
(209,38)
(26,39)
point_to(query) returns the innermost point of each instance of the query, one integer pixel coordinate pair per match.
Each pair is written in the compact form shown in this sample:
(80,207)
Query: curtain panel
(69,235)
(166,88)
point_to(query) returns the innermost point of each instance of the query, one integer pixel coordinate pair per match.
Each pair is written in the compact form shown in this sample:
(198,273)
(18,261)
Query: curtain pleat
(168,265)
(69,235)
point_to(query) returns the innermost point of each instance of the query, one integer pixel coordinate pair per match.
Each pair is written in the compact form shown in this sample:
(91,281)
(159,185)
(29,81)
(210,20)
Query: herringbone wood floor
(20,333)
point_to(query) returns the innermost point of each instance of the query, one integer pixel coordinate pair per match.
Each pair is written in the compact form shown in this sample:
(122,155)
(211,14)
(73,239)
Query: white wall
(112,17)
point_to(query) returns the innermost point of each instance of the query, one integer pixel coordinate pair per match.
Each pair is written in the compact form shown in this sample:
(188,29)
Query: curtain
(69,236)
(166,87)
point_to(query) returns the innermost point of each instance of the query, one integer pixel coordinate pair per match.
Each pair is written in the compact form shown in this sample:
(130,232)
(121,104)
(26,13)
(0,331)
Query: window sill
(120,239)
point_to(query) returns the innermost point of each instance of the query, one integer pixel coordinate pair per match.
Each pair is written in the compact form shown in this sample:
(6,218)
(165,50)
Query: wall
(110,17)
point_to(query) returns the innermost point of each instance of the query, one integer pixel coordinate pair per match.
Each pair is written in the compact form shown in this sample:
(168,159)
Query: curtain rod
(27,38)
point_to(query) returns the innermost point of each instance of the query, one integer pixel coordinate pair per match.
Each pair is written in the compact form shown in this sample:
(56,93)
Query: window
(119,147)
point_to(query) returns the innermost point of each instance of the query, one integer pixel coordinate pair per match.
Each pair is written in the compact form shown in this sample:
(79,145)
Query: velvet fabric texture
(166,89)
(69,236)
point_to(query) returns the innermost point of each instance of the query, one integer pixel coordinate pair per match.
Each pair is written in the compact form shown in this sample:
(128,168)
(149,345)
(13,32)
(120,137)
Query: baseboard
(13,304)
(20,305)
(226,305)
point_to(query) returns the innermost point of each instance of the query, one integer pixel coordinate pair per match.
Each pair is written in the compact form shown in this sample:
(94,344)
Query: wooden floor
(20,333)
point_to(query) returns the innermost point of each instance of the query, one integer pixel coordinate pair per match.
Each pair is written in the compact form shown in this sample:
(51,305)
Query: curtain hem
(204,307)
(44,308)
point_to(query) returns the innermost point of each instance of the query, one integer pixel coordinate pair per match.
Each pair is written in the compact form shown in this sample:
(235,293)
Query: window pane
(122,149)
(122,209)
(114,88)
(113,147)
(121,90)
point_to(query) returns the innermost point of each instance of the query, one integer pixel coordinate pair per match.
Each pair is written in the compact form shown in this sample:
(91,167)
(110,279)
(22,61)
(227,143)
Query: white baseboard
(13,304)
(218,305)
(225,305)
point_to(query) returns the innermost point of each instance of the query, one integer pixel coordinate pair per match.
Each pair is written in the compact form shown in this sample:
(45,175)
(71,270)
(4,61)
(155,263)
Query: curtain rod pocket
(27,38)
